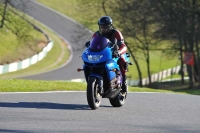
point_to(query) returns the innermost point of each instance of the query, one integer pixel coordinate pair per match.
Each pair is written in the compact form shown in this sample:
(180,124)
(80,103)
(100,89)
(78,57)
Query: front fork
(99,84)
(100,81)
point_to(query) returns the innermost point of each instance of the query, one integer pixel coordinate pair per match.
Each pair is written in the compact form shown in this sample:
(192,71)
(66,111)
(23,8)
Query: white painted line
(43,92)
(39,92)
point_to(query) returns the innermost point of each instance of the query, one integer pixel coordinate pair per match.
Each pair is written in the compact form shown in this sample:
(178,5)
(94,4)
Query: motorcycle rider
(106,30)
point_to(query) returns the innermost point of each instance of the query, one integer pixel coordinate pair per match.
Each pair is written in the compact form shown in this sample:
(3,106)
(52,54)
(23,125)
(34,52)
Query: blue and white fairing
(98,53)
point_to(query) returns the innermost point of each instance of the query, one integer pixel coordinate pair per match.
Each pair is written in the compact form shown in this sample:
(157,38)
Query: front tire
(93,97)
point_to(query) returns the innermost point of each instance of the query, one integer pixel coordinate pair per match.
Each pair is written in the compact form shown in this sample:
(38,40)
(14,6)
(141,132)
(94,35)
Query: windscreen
(98,43)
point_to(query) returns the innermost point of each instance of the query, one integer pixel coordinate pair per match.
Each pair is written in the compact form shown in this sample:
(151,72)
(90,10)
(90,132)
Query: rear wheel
(93,97)
(119,100)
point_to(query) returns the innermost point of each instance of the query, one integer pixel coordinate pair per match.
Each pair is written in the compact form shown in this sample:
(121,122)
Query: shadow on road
(45,105)
(13,131)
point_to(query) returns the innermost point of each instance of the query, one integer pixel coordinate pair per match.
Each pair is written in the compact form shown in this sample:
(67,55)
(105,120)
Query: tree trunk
(191,43)
(4,14)
(148,68)
(137,66)
(197,62)
(190,74)
(181,59)
(139,71)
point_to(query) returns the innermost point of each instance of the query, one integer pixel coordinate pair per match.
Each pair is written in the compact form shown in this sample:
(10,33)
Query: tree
(4,14)
(146,23)
(180,19)
(137,24)
(10,21)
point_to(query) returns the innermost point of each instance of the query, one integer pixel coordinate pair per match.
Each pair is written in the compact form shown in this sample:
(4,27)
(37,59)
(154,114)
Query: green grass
(18,85)
(157,64)
(15,48)
(55,58)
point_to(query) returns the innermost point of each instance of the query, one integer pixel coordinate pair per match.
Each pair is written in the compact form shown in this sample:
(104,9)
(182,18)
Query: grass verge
(18,85)
(19,40)
(58,55)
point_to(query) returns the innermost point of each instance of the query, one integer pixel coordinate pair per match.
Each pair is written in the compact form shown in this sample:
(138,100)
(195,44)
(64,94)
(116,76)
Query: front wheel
(93,97)
(119,100)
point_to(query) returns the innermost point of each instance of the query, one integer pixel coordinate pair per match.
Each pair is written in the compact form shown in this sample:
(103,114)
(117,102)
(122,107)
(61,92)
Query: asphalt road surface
(71,31)
(68,112)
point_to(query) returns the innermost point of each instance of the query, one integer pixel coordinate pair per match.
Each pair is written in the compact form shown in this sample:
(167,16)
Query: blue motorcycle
(102,72)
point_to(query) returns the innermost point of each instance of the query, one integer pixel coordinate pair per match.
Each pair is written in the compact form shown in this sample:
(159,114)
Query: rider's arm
(95,34)
(87,44)
(120,42)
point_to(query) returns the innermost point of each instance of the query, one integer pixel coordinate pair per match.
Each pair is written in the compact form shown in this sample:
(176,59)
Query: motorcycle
(102,73)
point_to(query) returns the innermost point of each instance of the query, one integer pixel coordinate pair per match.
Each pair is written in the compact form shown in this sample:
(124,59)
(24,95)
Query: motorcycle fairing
(106,55)
(110,65)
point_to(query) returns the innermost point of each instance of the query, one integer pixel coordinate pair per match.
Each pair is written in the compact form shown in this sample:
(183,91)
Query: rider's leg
(122,64)
(124,84)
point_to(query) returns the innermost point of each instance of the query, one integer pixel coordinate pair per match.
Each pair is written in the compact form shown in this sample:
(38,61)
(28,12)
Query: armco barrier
(32,60)
(161,75)
(27,62)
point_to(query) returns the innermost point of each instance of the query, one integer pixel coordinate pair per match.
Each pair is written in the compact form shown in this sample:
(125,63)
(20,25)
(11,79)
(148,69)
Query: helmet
(105,20)
(105,25)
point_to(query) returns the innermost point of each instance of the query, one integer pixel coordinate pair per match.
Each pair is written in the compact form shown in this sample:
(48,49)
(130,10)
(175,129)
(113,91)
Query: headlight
(94,57)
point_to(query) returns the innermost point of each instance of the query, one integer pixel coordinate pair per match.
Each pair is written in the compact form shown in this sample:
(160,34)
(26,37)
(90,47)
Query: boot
(124,84)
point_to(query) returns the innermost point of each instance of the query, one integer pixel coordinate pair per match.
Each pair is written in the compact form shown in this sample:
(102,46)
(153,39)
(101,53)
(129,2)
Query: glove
(116,54)
(87,44)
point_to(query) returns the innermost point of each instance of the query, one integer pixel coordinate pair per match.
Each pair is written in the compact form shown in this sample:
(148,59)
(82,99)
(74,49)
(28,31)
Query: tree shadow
(14,131)
(44,105)
(177,86)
